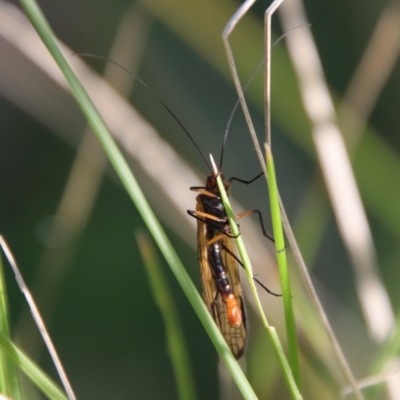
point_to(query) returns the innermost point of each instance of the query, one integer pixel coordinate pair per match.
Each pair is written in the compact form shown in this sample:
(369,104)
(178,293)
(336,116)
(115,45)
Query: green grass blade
(283,269)
(287,372)
(175,338)
(9,385)
(37,376)
(40,24)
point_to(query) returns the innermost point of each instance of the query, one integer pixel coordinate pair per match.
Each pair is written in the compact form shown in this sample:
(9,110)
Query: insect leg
(247,213)
(209,219)
(243,181)
(254,278)
(203,191)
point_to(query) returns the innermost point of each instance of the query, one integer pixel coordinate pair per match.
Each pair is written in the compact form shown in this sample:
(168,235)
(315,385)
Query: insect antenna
(146,86)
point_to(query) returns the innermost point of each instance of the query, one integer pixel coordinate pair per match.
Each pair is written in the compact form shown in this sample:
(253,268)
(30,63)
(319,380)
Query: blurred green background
(105,325)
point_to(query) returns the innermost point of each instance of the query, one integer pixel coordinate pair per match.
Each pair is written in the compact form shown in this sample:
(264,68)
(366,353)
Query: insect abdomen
(233,310)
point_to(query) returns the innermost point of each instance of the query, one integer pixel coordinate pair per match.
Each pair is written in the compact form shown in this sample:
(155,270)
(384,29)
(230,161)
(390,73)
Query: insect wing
(235,336)
(208,283)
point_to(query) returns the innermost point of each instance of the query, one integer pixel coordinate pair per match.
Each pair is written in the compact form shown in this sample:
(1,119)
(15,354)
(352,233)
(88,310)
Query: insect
(218,262)
(222,292)
(219,265)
